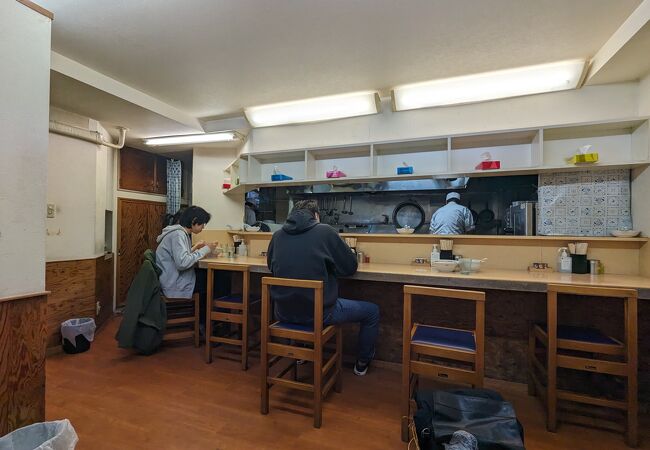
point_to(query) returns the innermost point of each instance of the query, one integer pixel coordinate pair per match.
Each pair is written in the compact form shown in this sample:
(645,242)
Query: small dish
(251,228)
(405,230)
(445,265)
(626,233)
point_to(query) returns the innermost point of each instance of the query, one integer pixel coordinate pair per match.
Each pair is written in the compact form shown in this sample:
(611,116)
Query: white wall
(71,186)
(207,179)
(644,96)
(592,103)
(78,183)
(24,104)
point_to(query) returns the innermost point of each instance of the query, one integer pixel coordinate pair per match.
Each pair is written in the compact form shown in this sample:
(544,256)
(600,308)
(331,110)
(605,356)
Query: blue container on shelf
(405,170)
(280,177)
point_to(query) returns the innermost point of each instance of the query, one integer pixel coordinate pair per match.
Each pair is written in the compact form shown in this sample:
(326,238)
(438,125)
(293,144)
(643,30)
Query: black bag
(480,412)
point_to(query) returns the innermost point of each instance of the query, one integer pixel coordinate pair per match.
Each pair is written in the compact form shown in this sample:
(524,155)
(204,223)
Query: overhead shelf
(622,144)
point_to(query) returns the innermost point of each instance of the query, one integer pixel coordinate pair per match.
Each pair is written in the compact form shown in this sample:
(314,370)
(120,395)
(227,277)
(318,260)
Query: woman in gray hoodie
(176,256)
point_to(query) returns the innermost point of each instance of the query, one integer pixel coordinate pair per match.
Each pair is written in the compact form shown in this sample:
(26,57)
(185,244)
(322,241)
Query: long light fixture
(314,109)
(489,85)
(192,139)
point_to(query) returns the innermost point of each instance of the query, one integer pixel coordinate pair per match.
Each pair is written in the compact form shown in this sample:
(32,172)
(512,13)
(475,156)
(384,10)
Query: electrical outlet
(51,210)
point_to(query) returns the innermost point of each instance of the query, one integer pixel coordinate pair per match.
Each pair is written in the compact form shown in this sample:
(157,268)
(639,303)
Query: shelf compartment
(291,163)
(617,142)
(515,150)
(354,161)
(426,157)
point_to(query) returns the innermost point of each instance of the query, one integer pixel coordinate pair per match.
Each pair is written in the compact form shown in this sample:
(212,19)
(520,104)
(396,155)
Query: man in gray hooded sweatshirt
(176,256)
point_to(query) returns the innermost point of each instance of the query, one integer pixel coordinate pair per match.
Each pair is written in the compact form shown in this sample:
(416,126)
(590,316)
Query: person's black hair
(193,215)
(455,200)
(251,204)
(309,205)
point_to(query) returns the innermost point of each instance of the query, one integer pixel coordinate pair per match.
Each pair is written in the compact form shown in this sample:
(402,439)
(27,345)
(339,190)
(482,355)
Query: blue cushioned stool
(581,348)
(460,346)
(306,342)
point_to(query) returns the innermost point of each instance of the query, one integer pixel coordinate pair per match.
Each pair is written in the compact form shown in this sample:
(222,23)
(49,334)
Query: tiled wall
(592,203)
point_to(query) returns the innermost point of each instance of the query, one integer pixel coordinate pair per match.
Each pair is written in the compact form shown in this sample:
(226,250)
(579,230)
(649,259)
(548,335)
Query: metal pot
(410,214)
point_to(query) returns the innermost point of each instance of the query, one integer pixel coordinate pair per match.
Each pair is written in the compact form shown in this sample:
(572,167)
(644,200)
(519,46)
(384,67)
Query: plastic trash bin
(77,335)
(57,435)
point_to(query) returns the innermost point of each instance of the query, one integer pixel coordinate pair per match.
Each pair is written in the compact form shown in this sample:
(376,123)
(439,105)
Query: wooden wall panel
(72,294)
(22,362)
(75,288)
(104,287)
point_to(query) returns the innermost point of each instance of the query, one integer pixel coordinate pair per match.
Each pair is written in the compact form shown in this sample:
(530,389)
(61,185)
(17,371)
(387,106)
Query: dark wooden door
(137,170)
(160,186)
(139,222)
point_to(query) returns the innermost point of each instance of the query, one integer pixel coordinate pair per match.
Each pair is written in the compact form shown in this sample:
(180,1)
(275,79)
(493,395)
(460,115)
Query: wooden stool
(318,335)
(465,346)
(580,349)
(182,318)
(231,309)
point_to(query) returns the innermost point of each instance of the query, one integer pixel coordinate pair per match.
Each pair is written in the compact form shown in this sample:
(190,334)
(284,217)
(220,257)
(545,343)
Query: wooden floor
(173,400)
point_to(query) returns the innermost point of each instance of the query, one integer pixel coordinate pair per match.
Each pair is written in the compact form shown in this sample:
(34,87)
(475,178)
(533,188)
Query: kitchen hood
(384,186)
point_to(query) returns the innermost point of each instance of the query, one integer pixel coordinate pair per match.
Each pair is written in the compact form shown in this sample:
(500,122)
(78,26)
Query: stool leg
(264,355)
(631,343)
(208,333)
(197,338)
(244,339)
(338,387)
(551,387)
(208,320)
(318,384)
(531,367)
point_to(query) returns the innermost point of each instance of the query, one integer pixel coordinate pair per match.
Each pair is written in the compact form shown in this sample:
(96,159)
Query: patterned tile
(590,203)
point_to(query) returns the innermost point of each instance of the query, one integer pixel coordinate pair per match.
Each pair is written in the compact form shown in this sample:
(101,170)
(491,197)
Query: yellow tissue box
(587,158)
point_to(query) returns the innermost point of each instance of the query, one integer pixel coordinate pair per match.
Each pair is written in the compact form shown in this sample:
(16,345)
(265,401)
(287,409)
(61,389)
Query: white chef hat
(451,195)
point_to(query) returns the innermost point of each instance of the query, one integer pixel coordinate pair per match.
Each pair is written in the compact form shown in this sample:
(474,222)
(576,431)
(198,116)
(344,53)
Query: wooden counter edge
(27,296)
(39,9)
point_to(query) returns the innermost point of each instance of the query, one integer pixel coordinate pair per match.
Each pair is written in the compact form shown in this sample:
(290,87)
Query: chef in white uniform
(453,218)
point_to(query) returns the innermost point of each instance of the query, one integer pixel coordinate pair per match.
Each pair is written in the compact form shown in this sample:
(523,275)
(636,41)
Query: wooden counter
(509,280)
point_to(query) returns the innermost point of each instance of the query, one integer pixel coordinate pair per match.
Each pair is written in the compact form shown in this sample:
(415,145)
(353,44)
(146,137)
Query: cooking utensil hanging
(485,216)
(408,214)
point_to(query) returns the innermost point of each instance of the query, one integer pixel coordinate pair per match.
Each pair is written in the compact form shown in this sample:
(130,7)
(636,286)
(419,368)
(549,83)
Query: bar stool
(182,318)
(581,348)
(459,346)
(326,375)
(230,309)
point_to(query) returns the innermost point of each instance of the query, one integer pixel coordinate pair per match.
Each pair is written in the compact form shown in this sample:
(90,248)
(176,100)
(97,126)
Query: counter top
(510,280)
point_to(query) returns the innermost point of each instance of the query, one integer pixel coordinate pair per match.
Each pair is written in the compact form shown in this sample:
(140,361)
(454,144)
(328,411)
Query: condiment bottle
(435,254)
(563,260)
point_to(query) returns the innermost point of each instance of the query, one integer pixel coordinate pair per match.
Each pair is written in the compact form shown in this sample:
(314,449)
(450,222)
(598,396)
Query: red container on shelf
(226,185)
(488,165)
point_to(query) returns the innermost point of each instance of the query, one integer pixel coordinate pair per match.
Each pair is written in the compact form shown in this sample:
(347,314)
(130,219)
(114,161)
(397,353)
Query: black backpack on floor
(481,412)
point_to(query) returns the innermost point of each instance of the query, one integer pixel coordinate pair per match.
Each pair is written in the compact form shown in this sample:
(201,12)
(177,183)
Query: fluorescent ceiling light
(192,139)
(489,85)
(314,109)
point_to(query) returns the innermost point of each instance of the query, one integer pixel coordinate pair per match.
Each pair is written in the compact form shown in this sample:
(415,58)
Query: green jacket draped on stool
(145,314)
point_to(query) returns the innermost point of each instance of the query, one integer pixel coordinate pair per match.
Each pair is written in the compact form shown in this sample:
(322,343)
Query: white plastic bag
(56,435)
(70,329)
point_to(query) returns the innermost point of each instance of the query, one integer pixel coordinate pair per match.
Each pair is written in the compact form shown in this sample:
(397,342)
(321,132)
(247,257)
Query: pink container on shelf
(334,173)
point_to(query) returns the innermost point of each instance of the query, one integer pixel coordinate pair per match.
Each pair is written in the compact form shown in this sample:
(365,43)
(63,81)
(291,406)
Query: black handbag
(480,412)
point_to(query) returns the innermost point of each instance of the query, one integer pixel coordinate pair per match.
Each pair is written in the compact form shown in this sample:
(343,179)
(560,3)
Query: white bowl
(251,228)
(625,233)
(406,230)
(445,265)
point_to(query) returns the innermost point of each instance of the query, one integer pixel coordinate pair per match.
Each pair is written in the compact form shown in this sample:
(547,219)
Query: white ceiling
(213,58)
